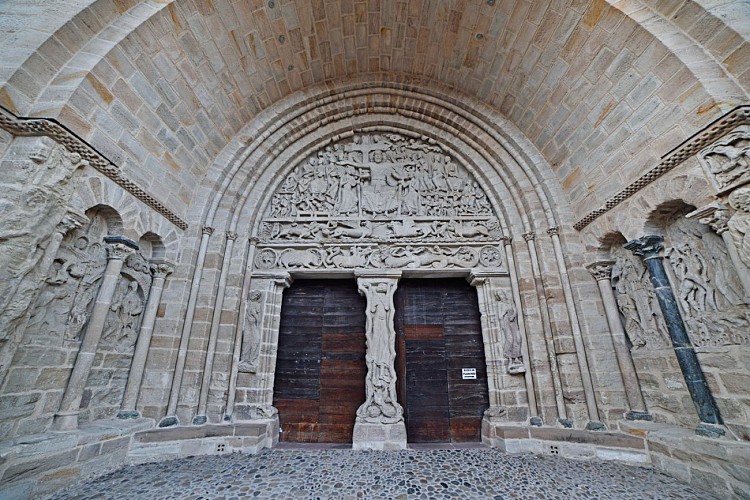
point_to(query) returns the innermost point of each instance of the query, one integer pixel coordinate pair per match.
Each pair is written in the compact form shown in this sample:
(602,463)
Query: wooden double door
(320,367)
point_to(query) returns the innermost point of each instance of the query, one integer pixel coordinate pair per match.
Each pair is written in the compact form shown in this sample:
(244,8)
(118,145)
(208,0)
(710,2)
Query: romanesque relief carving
(727,162)
(508,319)
(707,288)
(636,300)
(381,405)
(379,201)
(251,332)
(67,296)
(36,188)
(123,321)
(739,223)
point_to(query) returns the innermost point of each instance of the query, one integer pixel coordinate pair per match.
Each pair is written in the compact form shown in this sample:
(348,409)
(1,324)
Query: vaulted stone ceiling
(602,89)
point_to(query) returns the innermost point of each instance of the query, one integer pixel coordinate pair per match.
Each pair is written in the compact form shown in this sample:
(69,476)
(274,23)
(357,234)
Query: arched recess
(519,184)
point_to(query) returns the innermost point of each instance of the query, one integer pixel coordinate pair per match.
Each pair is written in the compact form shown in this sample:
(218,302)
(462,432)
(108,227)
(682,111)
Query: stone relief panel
(507,317)
(379,201)
(727,161)
(707,286)
(251,332)
(37,183)
(636,300)
(739,224)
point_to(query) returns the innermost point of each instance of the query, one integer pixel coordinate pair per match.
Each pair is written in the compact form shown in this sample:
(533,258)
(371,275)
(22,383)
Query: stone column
(380,419)
(160,269)
(602,272)
(528,376)
(583,365)
(208,367)
(648,249)
(171,418)
(255,398)
(548,338)
(66,417)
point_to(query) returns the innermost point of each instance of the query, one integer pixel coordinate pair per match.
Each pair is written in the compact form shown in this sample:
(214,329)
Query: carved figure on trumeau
(727,161)
(508,320)
(36,195)
(637,303)
(251,332)
(707,287)
(341,205)
(380,405)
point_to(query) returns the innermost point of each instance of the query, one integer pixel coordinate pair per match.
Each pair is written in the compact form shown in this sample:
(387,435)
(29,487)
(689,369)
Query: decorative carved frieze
(379,201)
(44,127)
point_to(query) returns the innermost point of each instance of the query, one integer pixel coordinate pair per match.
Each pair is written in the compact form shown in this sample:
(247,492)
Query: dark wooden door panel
(321,367)
(438,334)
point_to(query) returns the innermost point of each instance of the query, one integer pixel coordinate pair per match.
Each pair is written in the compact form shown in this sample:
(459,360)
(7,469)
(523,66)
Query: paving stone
(414,473)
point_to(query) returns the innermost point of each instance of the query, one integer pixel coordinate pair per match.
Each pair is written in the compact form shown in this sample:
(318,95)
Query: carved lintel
(601,270)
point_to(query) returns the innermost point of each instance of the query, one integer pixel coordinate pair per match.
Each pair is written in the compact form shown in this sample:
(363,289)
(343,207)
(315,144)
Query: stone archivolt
(379,201)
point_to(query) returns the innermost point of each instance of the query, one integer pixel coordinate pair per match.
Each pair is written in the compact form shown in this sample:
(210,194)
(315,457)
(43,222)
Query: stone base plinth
(379,436)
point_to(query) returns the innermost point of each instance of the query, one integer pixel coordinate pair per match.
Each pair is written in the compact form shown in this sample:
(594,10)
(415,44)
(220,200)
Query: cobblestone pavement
(409,474)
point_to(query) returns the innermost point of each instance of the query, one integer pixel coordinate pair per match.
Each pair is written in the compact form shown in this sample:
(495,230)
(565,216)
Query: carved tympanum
(379,201)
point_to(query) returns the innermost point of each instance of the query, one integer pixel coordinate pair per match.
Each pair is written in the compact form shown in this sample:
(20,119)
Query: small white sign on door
(469,373)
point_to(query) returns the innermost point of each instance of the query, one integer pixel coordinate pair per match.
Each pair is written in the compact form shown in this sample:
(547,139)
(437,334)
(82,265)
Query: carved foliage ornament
(379,201)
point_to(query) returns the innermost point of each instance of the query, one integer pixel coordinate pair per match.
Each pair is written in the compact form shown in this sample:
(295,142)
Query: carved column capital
(70,221)
(254,240)
(231,235)
(161,268)
(601,270)
(529,236)
(118,248)
(648,247)
(507,240)
(714,215)
(555,230)
(207,230)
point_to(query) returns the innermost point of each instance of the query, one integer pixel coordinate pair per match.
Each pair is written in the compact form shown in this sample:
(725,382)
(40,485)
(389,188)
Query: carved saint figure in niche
(638,306)
(251,329)
(508,319)
(739,223)
(121,326)
(380,405)
(694,292)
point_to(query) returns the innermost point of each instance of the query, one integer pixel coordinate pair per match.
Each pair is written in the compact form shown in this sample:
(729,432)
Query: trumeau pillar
(547,329)
(187,327)
(213,336)
(254,400)
(648,249)
(160,269)
(380,419)
(602,272)
(117,251)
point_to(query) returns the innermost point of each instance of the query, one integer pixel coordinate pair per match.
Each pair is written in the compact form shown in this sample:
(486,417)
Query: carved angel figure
(739,223)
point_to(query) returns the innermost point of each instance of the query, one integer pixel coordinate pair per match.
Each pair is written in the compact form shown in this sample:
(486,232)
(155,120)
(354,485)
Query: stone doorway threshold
(410,446)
